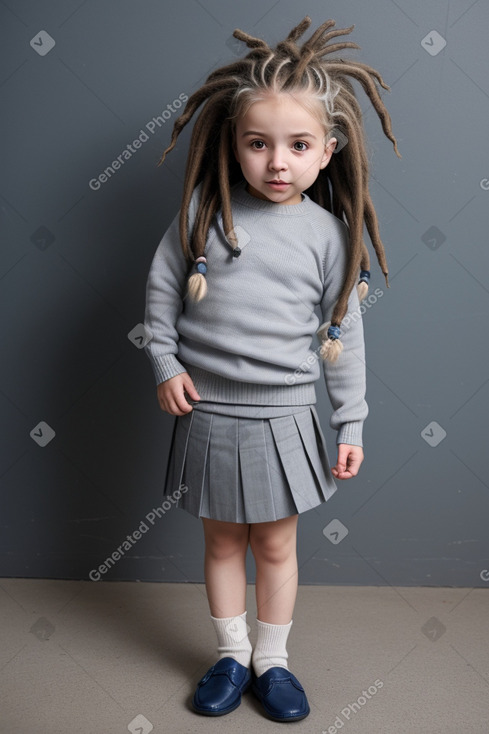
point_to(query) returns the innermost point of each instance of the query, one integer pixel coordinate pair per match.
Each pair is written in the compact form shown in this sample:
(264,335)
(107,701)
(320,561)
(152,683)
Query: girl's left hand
(348,462)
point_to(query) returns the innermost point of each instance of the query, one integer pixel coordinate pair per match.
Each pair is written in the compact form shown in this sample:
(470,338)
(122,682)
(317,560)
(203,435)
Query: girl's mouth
(277,184)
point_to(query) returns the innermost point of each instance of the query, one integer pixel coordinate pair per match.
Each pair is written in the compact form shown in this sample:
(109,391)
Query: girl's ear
(329,149)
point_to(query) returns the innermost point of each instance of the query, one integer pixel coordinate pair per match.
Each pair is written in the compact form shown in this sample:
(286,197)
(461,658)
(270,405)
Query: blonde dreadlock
(286,68)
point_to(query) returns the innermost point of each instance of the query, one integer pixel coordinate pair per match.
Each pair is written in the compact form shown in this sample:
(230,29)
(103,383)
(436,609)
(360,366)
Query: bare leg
(226,544)
(274,547)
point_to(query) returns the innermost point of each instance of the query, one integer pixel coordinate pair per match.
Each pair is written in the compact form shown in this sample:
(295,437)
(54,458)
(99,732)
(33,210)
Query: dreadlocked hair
(341,187)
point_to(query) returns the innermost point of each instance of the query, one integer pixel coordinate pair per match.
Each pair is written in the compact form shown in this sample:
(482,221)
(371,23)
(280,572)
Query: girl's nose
(277,160)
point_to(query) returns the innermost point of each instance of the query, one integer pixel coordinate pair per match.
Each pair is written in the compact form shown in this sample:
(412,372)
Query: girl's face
(281,148)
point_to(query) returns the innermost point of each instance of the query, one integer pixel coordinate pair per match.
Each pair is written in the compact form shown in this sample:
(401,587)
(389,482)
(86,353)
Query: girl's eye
(259,145)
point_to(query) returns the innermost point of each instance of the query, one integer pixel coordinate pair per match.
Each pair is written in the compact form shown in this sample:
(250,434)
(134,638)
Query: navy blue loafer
(219,691)
(281,695)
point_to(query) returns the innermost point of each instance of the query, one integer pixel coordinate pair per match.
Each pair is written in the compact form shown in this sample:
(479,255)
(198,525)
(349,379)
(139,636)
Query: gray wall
(74,262)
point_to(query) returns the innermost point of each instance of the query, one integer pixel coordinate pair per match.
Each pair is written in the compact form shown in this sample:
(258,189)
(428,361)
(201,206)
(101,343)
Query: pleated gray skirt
(248,463)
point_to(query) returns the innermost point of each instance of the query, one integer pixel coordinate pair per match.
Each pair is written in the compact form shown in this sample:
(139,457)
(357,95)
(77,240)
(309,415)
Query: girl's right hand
(171,395)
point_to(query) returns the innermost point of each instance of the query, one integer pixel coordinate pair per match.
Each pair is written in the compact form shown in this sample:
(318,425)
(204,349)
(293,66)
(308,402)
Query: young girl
(270,227)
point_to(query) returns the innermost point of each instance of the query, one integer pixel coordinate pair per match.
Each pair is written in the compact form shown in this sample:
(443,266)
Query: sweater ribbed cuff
(351,433)
(166,367)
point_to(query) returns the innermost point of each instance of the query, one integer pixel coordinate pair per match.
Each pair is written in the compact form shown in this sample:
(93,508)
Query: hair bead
(197,283)
(331,346)
(201,263)
(362,285)
(364,276)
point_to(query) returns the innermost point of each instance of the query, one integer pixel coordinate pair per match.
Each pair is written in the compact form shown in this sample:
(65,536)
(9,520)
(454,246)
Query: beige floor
(93,657)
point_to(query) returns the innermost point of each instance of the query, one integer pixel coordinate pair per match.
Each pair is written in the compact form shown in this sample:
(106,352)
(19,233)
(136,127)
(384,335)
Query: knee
(270,549)
(224,546)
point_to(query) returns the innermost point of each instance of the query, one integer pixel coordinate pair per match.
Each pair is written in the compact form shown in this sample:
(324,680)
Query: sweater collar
(240,195)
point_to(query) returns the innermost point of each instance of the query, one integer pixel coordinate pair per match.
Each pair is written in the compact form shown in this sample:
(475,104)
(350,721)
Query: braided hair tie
(362,287)
(197,283)
(331,346)
(364,276)
(329,334)
(201,263)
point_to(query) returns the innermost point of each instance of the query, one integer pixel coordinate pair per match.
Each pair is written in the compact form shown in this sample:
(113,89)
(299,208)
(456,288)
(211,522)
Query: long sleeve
(165,291)
(346,378)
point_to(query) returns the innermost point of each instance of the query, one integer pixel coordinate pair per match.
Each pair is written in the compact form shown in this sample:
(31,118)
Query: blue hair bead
(236,252)
(202,268)
(364,276)
(334,332)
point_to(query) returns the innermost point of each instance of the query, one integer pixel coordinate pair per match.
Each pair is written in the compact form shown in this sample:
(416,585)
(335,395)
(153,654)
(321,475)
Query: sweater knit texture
(249,340)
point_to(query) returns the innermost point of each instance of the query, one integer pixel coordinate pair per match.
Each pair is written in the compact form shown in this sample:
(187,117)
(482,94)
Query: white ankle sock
(232,638)
(270,649)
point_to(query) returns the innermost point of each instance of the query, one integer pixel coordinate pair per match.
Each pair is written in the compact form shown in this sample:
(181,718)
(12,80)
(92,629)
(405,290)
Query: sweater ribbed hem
(211,386)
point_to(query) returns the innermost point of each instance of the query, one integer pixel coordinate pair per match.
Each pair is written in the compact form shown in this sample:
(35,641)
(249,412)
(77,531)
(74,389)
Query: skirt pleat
(248,470)
(266,495)
(317,453)
(222,458)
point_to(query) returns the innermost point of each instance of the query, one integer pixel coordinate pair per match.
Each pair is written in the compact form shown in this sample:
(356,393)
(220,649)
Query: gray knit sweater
(248,341)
